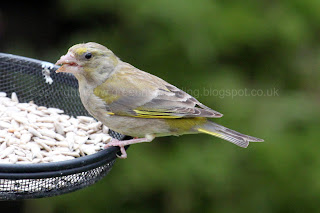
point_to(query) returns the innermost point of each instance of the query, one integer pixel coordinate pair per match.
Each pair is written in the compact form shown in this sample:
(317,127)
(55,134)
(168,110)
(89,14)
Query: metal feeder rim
(60,168)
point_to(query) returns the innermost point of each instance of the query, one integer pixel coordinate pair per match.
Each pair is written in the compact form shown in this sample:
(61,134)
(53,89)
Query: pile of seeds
(37,134)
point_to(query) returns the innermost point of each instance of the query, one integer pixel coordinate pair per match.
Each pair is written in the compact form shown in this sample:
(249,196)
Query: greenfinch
(136,103)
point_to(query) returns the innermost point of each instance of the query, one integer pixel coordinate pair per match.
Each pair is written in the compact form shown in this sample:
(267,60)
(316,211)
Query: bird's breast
(93,104)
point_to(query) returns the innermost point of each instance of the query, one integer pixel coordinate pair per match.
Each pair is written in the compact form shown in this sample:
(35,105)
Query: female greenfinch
(136,103)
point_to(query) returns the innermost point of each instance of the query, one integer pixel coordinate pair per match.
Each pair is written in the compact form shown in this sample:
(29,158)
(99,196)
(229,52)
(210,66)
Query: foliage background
(267,46)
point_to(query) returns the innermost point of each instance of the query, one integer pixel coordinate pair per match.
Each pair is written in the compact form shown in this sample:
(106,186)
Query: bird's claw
(116,142)
(122,144)
(123,153)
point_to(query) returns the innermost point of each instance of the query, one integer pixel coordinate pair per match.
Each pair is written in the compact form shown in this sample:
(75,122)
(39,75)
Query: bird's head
(90,61)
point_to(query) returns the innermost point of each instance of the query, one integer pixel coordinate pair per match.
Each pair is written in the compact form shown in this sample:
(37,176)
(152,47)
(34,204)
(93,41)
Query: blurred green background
(257,62)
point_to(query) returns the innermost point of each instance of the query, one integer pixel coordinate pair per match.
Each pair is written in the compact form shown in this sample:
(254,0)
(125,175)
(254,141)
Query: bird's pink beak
(69,60)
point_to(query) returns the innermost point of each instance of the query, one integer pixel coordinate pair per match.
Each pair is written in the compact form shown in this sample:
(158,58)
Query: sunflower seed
(14,97)
(34,132)
(37,134)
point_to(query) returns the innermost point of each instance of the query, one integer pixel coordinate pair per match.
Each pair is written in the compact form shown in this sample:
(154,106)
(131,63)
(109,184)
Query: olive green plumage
(136,103)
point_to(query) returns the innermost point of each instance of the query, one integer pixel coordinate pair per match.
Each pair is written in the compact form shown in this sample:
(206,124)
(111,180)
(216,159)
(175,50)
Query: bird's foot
(122,144)
(115,142)
(123,153)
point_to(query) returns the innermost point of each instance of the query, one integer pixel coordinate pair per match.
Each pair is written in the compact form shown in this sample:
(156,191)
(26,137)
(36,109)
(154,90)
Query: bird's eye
(88,55)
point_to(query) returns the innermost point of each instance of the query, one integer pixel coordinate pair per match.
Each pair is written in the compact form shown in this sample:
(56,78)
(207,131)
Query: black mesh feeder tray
(35,80)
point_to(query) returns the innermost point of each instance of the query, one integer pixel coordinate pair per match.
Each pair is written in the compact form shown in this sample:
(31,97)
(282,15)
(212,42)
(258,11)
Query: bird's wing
(132,92)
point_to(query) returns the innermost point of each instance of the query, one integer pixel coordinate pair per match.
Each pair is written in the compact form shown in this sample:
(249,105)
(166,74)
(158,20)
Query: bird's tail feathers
(230,135)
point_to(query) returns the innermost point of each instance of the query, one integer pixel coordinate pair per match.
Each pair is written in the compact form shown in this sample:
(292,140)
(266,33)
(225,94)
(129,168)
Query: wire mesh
(51,186)
(35,80)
